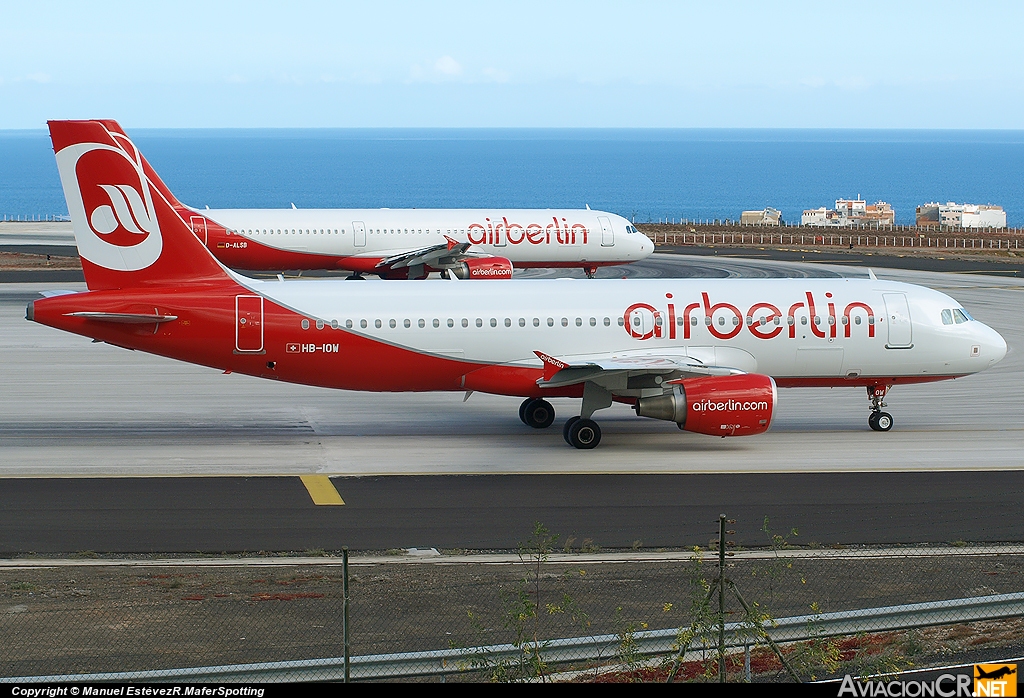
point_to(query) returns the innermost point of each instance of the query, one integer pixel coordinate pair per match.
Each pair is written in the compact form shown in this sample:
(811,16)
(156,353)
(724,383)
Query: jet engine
(483,268)
(740,405)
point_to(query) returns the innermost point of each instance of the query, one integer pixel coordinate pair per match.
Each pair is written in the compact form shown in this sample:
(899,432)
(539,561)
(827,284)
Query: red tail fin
(126,226)
(120,136)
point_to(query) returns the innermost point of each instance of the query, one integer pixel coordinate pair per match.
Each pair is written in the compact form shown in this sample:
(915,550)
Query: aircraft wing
(625,371)
(438,256)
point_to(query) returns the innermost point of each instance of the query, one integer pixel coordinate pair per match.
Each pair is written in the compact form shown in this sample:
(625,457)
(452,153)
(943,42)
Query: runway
(71,407)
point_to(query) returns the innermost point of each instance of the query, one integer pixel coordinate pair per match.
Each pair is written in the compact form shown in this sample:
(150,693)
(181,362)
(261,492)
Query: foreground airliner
(410,243)
(707,354)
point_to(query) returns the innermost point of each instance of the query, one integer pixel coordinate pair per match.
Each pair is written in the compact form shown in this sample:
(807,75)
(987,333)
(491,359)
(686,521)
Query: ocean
(643,174)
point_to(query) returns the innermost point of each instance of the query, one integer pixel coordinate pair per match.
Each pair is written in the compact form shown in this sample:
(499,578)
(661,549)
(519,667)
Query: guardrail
(594,648)
(908,241)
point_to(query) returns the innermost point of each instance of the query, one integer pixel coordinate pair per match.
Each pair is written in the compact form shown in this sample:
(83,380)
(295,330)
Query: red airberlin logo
(558,232)
(114,204)
(763,320)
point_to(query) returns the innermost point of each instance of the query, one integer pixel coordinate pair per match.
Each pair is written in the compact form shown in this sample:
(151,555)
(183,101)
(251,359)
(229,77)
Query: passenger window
(421,323)
(334,324)
(362,323)
(607,321)
(565,322)
(407,323)
(479,322)
(494,323)
(437,323)
(522,322)
(536,322)
(551,322)
(451,323)
(348,324)
(622,323)
(376,323)
(465,322)
(508,322)
(391,324)
(693,321)
(803,320)
(593,322)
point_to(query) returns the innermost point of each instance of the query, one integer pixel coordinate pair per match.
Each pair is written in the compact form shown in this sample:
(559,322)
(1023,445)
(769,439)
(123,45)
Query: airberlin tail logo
(111,204)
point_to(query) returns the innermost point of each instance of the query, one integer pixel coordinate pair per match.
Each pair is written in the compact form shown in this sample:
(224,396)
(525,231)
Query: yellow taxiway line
(321,490)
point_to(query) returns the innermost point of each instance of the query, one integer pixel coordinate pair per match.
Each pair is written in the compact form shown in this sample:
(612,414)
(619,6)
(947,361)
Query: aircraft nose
(993,346)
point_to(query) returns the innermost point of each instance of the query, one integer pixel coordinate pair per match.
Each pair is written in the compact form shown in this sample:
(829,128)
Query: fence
(556,611)
(52,218)
(760,237)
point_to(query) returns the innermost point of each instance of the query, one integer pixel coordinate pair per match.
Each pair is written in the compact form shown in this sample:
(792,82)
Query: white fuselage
(772,330)
(527,237)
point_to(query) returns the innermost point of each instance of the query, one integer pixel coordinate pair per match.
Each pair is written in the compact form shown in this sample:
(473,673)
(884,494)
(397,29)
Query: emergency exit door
(249,323)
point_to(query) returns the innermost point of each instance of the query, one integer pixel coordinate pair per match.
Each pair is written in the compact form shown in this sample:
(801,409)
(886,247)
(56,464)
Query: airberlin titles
(563,233)
(763,320)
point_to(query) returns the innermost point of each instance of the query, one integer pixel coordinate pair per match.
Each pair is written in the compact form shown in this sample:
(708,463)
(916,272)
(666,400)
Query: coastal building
(768,216)
(954,215)
(850,213)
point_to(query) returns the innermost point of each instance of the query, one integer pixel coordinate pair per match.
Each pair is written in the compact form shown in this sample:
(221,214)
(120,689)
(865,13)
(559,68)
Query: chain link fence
(558,609)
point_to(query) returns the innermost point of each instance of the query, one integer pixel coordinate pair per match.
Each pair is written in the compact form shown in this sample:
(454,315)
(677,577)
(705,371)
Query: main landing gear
(579,432)
(879,420)
(536,413)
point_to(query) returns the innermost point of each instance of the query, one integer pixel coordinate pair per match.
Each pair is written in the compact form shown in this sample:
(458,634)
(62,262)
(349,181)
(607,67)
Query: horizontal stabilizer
(125,318)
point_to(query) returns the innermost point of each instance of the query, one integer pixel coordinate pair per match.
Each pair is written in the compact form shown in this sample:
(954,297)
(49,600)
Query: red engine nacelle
(484,268)
(740,405)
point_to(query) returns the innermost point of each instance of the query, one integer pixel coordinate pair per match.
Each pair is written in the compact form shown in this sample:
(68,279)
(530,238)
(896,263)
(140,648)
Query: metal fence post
(344,619)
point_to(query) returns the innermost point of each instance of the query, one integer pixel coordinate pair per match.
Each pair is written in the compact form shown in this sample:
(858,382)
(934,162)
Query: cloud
(446,65)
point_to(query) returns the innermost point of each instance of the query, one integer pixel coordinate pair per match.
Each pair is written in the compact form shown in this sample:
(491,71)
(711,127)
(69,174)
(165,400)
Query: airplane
(410,243)
(706,354)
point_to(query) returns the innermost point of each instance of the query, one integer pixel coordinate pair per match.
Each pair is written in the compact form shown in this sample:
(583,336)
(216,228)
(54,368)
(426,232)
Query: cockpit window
(630,229)
(955,316)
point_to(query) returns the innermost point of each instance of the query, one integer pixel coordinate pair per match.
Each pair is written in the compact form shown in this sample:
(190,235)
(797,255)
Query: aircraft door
(897,314)
(248,324)
(358,234)
(607,234)
(199,228)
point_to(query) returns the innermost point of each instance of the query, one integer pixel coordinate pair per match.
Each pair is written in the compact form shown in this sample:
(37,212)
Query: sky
(785,64)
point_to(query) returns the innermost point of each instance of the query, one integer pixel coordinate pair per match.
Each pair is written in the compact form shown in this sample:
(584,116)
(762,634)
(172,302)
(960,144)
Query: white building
(850,213)
(768,216)
(956,215)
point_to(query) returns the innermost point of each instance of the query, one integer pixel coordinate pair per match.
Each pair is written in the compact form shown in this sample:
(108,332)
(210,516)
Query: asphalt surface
(429,470)
(231,514)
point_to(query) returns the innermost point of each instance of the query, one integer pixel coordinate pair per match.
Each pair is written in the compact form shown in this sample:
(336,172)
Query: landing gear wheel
(522,409)
(538,413)
(568,425)
(880,421)
(583,434)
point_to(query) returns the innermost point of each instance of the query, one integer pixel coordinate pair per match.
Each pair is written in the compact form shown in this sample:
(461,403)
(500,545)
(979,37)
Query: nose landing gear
(879,420)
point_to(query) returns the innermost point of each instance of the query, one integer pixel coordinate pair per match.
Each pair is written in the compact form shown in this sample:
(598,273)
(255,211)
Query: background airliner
(706,354)
(411,243)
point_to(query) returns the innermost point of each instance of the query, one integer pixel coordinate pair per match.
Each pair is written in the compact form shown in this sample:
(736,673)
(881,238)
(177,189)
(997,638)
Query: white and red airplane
(706,354)
(410,243)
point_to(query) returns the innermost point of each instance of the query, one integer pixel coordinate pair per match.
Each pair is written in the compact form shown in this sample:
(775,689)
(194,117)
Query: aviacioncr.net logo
(111,205)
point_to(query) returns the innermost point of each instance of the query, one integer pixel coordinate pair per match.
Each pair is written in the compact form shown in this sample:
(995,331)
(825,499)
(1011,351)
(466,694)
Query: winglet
(871,274)
(551,365)
(451,243)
